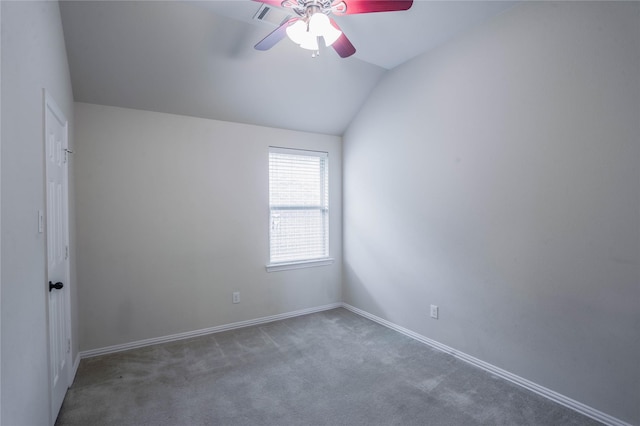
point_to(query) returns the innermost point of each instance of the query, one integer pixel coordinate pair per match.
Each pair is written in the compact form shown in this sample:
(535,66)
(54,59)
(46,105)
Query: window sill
(284,266)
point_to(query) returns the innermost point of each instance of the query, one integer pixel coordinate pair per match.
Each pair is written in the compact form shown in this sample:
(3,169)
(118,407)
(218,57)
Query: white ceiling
(197,59)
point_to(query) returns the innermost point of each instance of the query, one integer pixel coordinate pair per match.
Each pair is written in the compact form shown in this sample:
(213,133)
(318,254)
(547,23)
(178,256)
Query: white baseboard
(527,384)
(204,331)
(74,369)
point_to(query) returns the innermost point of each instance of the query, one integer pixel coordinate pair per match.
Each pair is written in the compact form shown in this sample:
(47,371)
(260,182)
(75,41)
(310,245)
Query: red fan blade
(342,45)
(275,36)
(351,7)
(275,3)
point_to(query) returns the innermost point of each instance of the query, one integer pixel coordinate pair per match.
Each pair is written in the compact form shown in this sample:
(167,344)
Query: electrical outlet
(236,297)
(434,312)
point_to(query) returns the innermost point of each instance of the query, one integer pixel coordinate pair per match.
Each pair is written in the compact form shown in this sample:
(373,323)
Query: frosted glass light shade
(320,26)
(310,42)
(331,34)
(297,32)
(318,23)
(306,36)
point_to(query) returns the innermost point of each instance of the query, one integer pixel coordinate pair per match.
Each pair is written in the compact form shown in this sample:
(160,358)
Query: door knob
(57,286)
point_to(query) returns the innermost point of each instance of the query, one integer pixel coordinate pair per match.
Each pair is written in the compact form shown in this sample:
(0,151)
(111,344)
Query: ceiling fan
(314,21)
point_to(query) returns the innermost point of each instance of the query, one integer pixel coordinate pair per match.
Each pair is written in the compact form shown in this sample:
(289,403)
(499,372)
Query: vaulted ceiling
(197,59)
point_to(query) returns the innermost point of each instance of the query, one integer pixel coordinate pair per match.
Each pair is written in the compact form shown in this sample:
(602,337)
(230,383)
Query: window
(298,208)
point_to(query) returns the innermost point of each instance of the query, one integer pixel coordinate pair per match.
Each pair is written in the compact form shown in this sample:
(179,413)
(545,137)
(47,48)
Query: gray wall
(0,213)
(498,178)
(173,217)
(33,58)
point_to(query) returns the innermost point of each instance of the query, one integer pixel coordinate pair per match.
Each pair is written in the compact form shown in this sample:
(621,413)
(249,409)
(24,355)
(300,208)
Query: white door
(57,253)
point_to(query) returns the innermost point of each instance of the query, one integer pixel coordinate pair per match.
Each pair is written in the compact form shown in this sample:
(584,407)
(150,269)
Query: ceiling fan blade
(275,36)
(274,3)
(351,7)
(342,45)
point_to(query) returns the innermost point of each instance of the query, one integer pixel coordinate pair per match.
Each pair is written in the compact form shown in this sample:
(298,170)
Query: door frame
(0,216)
(50,103)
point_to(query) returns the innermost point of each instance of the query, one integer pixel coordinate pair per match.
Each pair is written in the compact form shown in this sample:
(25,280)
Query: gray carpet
(328,368)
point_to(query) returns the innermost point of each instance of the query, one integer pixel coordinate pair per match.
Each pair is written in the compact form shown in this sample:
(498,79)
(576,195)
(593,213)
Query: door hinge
(66,252)
(68,345)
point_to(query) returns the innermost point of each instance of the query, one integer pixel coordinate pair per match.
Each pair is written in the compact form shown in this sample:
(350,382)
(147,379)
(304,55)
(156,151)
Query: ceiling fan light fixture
(340,8)
(297,32)
(311,43)
(320,26)
(331,34)
(314,21)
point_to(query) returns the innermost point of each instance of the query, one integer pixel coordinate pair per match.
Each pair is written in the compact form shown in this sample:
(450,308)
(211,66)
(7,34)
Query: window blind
(299,205)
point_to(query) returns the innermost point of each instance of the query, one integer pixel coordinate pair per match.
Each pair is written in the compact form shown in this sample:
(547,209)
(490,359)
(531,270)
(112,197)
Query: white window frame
(306,263)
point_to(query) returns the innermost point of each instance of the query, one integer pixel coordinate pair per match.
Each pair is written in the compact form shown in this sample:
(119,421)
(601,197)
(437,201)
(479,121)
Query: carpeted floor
(328,368)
